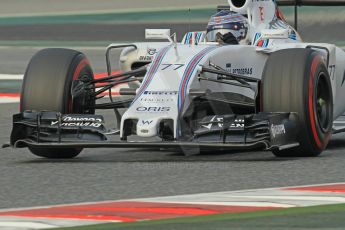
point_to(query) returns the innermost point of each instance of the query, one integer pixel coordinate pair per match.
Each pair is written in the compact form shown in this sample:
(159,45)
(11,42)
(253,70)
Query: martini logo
(262,13)
(151,51)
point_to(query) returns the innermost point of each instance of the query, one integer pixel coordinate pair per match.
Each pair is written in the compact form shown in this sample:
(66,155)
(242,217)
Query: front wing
(47,130)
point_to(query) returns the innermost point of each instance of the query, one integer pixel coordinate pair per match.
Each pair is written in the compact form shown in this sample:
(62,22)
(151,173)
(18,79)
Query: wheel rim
(323,103)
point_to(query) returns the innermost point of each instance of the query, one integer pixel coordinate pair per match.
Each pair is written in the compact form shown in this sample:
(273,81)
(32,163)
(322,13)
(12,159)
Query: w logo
(146,122)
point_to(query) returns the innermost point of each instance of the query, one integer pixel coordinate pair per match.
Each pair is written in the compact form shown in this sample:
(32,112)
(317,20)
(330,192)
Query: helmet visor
(211,35)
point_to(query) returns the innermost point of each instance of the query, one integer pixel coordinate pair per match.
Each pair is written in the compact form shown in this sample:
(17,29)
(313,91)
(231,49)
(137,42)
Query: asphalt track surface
(111,174)
(14,60)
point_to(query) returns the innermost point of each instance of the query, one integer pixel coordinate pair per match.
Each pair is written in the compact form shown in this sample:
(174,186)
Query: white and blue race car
(252,84)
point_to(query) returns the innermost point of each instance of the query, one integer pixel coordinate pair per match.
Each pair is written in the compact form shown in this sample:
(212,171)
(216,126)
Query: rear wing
(297,3)
(311,3)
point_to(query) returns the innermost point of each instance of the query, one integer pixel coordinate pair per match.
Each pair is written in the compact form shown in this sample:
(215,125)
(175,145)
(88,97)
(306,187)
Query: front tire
(47,87)
(297,80)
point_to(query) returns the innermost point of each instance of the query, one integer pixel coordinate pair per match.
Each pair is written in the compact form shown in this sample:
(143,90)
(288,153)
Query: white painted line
(273,197)
(223,203)
(11,77)
(296,198)
(25,225)
(8,100)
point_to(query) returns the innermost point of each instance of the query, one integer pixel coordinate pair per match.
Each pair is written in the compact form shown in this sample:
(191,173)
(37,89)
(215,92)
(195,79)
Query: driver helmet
(226,22)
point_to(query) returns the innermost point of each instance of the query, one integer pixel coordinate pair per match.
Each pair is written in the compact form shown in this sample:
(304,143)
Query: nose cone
(147,127)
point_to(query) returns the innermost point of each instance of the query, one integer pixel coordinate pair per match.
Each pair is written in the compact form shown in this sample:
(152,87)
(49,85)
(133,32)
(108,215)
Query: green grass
(316,217)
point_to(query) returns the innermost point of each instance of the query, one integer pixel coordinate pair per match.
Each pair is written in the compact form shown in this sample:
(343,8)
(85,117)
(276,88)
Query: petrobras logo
(153,109)
(160,93)
(244,70)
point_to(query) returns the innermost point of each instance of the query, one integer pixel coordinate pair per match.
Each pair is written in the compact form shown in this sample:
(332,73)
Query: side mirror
(275,34)
(158,34)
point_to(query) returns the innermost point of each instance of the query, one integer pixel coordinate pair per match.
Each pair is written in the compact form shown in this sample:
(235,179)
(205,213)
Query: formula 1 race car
(262,88)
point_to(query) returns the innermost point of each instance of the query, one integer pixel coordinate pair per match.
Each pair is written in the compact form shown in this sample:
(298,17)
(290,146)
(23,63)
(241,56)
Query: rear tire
(47,87)
(297,80)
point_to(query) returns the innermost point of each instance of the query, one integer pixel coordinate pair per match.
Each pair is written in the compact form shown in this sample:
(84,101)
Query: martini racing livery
(267,90)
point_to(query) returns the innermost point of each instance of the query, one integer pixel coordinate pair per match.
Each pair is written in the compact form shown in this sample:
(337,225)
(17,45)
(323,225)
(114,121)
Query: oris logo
(154,109)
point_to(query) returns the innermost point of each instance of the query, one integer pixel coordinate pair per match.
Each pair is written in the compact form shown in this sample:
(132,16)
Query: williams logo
(146,122)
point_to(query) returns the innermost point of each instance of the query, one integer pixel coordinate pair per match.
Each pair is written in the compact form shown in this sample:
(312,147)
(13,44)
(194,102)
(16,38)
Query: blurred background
(90,25)
(99,22)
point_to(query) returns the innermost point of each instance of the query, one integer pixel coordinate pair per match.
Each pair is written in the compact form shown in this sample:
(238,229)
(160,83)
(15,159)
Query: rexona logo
(86,119)
(68,121)
(153,109)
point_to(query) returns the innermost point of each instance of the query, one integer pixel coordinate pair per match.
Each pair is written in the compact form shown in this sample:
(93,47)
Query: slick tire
(47,87)
(297,80)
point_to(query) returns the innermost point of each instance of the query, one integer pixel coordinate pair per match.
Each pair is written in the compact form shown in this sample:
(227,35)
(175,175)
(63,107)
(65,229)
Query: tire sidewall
(313,134)
(79,67)
(67,65)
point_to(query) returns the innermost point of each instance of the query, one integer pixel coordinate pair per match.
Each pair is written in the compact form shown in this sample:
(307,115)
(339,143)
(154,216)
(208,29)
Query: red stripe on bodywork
(191,68)
(129,211)
(311,102)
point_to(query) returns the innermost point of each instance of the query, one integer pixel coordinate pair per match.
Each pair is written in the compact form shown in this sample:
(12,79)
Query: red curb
(130,211)
(10,95)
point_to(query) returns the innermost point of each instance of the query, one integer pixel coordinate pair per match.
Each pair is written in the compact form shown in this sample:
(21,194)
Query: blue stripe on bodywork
(152,71)
(189,72)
